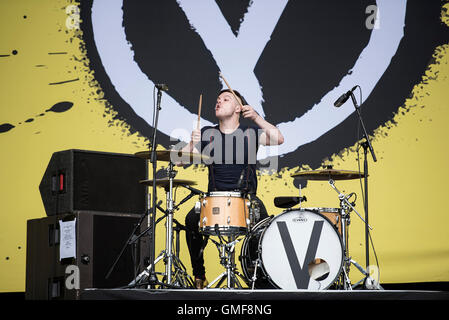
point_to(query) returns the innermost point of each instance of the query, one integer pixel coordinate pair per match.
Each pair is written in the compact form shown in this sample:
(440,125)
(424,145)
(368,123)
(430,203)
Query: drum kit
(298,249)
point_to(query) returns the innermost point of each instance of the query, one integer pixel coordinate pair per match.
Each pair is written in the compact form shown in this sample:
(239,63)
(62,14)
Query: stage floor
(260,295)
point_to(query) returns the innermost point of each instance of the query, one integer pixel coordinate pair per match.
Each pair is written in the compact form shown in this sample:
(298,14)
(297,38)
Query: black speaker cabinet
(99,238)
(80,180)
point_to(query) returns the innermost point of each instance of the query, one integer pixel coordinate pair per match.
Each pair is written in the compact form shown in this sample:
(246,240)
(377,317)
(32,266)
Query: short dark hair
(236,93)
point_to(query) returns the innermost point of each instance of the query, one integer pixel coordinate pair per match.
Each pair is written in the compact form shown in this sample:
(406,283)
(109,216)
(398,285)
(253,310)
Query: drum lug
(229,201)
(204,221)
(229,219)
(204,202)
(198,207)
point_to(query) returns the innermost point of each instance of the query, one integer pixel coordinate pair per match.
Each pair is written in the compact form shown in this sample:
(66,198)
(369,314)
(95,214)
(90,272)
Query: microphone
(240,181)
(195,191)
(161,86)
(343,98)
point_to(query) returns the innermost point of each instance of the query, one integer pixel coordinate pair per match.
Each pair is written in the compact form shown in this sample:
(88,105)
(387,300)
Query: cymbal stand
(175,275)
(180,276)
(169,224)
(344,199)
(227,257)
(346,207)
(175,272)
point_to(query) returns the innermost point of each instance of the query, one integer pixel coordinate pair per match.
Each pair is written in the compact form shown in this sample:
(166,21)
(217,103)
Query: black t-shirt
(233,158)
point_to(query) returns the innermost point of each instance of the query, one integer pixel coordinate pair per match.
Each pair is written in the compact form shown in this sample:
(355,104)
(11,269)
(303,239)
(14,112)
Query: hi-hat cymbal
(164,182)
(328,174)
(174,156)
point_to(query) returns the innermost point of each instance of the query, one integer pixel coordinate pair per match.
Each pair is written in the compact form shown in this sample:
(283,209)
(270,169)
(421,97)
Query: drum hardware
(254,213)
(347,207)
(175,275)
(345,203)
(226,252)
(181,279)
(169,224)
(254,277)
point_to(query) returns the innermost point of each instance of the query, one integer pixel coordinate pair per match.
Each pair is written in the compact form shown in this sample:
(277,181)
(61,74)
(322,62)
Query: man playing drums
(232,148)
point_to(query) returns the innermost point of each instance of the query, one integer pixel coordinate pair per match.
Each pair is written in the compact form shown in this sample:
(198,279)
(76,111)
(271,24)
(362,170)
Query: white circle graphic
(136,89)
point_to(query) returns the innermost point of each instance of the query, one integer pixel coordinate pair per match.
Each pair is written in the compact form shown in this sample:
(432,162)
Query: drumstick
(199,112)
(230,89)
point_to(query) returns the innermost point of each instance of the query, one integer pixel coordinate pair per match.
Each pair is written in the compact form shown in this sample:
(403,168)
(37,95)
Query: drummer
(232,148)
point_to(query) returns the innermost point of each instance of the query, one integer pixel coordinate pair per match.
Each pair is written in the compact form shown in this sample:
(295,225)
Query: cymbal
(174,155)
(164,182)
(328,174)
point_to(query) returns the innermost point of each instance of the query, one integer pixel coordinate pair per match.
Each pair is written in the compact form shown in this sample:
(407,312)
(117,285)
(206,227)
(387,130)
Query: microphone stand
(150,211)
(366,145)
(152,279)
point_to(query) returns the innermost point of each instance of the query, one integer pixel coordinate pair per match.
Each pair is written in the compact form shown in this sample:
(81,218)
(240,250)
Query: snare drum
(297,249)
(225,212)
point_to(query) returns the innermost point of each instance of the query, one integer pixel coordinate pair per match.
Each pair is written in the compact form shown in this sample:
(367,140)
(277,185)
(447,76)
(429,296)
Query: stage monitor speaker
(80,180)
(98,240)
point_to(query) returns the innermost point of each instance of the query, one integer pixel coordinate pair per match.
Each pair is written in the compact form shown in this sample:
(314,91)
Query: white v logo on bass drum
(301,249)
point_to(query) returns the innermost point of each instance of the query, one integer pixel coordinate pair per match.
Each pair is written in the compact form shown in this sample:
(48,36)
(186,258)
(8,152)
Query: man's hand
(249,112)
(195,137)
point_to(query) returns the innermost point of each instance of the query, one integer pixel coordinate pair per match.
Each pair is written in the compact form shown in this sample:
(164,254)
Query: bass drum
(297,249)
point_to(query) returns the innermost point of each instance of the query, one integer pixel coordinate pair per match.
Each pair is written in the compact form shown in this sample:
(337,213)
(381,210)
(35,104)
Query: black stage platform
(260,295)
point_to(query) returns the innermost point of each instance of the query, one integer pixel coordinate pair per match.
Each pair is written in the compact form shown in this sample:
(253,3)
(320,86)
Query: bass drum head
(301,249)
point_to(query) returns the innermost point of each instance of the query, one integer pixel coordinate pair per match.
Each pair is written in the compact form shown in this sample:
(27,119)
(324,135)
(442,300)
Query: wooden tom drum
(224,213)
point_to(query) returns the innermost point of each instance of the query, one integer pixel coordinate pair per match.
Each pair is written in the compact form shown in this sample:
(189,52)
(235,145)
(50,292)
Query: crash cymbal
(164,182)
(174,155)
(328,174)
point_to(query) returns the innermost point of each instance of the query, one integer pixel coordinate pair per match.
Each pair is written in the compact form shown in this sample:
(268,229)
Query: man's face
(226,106)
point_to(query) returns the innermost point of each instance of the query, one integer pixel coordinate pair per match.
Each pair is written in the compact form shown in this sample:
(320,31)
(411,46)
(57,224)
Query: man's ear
(238,108)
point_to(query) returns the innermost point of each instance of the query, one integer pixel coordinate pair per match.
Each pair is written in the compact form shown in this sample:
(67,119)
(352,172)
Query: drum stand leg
(145,273)
(180,276)
(227,257)
(254,278)
(345,275)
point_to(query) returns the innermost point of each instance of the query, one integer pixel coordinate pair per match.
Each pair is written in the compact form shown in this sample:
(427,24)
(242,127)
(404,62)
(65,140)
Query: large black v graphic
(301,275)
